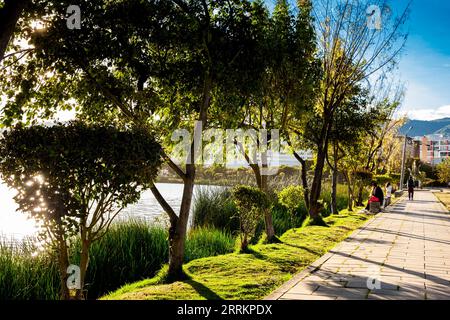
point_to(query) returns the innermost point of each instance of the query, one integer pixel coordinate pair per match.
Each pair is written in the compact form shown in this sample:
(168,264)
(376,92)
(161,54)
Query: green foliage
(341,198)
(291,197)
(62,169)
(363,176)
(76,178)
(395,178)
(381,180)
(251,203)
(443,170)
(215,208)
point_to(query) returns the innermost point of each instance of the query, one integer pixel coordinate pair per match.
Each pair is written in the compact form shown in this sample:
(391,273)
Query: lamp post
(402,173)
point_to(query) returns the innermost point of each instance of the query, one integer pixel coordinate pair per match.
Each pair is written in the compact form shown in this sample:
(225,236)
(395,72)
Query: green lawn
(253,275)
(443,197)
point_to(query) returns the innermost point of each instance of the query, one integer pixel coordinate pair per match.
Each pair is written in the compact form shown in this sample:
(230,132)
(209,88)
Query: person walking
(410,188)
(387,200)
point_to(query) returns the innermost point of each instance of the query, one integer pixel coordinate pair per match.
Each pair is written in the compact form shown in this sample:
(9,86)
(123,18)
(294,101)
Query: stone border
(284,288)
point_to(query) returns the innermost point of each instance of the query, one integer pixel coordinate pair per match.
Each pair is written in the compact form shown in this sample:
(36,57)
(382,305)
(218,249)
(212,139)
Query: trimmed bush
(251,203)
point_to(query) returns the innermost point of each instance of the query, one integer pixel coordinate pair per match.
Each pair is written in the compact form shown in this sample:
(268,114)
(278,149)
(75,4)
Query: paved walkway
(400,254)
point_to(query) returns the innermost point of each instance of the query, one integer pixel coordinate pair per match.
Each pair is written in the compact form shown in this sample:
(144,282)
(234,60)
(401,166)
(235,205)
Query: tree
(75,179)
(351,125)
(286,86)
(443,170)
(10,12)
(158,65)
(351,53)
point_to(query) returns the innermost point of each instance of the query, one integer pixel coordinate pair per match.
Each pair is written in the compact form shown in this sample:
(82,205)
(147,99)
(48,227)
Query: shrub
(291,197)
(363,176)
(251,203)
(382,180)
(434,183)
(395,178)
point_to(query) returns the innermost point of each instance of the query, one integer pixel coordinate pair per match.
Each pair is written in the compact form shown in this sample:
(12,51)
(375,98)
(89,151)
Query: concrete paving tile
(409,253)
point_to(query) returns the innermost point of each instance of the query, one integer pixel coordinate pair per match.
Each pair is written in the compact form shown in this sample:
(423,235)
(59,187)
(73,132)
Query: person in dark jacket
(377,192)
(410,188)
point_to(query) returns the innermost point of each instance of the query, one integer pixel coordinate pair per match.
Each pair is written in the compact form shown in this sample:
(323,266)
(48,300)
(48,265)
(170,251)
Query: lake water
(15,225)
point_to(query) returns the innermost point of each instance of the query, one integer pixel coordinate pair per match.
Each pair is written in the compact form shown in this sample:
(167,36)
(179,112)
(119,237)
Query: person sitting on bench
(376,195)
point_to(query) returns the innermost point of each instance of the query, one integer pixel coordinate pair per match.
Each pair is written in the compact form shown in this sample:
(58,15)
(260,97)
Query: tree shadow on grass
(303,248)
(203,290)
(285,265)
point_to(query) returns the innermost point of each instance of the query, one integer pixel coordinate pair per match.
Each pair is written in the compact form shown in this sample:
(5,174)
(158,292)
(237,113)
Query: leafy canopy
(68,174)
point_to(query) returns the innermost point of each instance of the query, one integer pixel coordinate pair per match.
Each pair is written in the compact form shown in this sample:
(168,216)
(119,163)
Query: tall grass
(26,275)
(282,221)
(130,251)
(206,242)
(215,208)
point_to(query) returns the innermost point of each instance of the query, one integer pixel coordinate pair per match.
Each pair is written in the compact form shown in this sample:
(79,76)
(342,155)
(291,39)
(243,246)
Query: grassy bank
(443,197)
(253,275)
(130,251)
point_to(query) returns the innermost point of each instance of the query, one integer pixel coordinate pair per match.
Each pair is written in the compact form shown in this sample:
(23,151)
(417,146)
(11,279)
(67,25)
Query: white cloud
(429,114)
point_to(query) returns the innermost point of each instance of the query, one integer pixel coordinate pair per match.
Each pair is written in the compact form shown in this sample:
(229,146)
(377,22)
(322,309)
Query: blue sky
(424,67)
(425,64)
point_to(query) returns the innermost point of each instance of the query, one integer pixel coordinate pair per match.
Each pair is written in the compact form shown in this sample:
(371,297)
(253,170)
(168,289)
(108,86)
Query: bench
(375,207)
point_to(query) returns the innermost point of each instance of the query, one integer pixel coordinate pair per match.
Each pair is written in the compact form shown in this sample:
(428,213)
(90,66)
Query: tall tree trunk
(84,262)
(334,181)
(261,181)
(334,209)
(9,15)
(270,231)
(178,230)
(322,148)
(314,205)
(350,192)
(63,256)
(63,264)
(303,172)
(359,199)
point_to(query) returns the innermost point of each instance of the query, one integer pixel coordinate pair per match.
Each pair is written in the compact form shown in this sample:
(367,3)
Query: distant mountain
(423,127)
